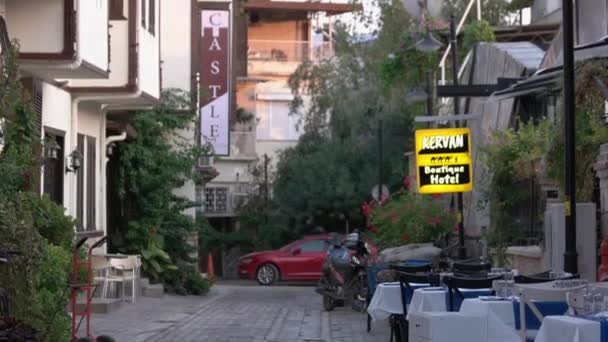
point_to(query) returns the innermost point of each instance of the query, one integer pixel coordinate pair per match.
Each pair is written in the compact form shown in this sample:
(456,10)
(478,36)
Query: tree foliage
(158,161)
(35,227)
(323,180)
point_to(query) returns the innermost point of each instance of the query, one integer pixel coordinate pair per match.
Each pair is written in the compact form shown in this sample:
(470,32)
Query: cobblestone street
(236,313)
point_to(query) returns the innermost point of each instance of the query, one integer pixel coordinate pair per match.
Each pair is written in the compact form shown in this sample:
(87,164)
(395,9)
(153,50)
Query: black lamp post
(428,44)
(570,255)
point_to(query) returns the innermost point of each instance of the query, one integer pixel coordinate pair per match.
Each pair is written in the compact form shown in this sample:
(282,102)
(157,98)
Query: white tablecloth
(426,300)
(386,301)
(568,329)
(499,315)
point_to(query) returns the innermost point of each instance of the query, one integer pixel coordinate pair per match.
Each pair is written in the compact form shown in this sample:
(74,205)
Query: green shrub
(52,297)
(52,223)
(185,280)
(195,283)
(410,218)
(36,280)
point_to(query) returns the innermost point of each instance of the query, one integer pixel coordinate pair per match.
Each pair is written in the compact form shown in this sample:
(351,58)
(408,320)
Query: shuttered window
(80,186)
(91,181)
(152,17)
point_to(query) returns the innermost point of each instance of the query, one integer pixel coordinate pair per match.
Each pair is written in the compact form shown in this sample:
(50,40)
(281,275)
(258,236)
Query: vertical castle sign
(215,94)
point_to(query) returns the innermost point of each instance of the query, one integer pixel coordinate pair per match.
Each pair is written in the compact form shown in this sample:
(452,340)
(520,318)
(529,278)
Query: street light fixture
(428,44)
(416,95)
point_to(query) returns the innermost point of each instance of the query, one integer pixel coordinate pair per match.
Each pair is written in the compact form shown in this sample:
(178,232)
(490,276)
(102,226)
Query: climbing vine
(591,128)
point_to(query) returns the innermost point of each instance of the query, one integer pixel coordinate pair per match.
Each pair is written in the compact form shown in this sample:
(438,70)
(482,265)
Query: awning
(549,79)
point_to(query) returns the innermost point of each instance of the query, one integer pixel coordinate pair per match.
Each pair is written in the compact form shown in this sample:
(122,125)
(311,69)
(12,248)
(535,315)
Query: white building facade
(85,63)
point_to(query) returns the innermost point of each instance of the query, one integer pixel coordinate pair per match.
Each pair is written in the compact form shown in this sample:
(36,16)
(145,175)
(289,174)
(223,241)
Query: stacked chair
(410,272)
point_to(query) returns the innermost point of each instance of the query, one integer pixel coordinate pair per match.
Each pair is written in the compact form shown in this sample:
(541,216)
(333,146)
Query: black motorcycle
(344,278)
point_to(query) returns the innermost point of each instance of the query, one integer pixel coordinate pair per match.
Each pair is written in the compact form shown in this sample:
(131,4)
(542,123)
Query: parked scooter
(344,278)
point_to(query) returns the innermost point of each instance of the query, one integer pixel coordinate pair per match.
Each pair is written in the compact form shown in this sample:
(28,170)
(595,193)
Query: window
(143,13)
(91,181)
(85,185)
(313,246)
(275,123)
(117,10)
(152,17)
(216,200)
(80,186)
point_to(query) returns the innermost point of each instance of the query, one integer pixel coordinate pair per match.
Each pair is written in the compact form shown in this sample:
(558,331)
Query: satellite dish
(376,193)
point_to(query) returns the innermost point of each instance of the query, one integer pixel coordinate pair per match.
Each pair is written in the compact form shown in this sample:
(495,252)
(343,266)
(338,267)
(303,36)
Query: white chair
(528,293)
(100,266)
(127,271)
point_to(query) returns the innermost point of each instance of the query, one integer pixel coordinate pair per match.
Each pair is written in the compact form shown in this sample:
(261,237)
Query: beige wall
(47,33)
(283,30)
(119,65)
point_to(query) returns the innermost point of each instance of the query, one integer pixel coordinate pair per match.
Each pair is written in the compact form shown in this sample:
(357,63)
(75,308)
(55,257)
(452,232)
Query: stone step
(99,305)
(144,282)
(153,290)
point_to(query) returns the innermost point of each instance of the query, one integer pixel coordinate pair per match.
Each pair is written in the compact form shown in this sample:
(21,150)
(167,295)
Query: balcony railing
(288,50)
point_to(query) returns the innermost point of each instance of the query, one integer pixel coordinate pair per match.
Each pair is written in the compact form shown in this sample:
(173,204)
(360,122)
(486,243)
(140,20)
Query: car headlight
(246,261)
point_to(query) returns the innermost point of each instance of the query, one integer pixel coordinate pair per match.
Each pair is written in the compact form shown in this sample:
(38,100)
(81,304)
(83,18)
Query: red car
(300,260)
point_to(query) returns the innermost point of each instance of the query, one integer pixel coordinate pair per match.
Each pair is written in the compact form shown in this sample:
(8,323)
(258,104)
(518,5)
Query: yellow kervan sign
(443,158)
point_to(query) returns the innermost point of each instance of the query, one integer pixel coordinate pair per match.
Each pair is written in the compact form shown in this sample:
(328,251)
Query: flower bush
(409,218)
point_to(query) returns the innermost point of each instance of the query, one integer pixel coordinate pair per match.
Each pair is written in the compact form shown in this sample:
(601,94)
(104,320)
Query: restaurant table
(387,300)
(435,298)
(570,329)
(499,315)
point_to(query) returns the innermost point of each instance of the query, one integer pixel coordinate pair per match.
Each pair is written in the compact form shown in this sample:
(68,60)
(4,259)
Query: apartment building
(86,63)
(281,35)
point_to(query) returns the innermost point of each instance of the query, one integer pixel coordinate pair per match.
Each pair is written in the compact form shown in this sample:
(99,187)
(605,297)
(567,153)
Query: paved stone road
(235,313)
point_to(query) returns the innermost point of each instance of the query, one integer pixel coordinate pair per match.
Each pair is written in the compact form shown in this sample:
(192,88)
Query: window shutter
(80,186)
(37,102)
(152,17)
(91,181)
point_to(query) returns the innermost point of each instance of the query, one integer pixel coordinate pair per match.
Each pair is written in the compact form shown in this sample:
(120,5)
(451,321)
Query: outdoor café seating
(456,295)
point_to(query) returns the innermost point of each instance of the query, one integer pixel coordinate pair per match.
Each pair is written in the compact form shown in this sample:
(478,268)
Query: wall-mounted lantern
(75,161)
(52,150)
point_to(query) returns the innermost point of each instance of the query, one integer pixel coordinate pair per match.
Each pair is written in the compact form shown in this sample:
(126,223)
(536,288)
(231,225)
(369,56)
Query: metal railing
(288,50)
(458,29)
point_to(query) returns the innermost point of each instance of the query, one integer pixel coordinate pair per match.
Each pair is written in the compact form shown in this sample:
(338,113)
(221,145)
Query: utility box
(586,238)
